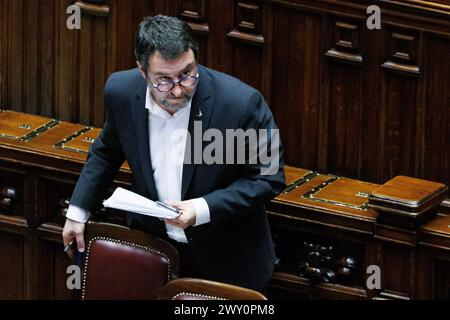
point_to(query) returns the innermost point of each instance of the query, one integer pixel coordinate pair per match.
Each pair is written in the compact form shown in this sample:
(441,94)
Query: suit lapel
(201,110)
(140,121)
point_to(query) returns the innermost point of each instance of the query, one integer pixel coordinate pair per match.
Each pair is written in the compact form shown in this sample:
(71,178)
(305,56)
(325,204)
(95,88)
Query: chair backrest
(200,289)
(121,263)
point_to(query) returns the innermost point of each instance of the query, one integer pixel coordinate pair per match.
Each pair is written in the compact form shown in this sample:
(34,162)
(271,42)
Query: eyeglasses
(165,86)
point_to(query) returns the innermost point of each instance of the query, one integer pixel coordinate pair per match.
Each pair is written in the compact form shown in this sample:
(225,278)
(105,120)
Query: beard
(181,102)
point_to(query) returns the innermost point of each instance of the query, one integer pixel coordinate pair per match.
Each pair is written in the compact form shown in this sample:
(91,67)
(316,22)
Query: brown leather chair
(122,263)
(200,289)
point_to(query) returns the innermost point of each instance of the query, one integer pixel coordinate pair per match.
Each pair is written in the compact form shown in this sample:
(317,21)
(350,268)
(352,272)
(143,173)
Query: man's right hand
(73,230)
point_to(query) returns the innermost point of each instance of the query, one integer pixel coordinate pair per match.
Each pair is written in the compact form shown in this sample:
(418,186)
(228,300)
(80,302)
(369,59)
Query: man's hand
(73,230)
(187,216)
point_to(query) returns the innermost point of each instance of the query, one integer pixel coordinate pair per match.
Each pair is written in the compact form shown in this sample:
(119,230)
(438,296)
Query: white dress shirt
(167,147)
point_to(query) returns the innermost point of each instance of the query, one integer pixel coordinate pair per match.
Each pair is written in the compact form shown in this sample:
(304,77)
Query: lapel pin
(199,114)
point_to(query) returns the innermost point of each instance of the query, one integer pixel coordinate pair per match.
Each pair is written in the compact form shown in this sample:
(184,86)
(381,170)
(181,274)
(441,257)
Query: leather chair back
(122,263)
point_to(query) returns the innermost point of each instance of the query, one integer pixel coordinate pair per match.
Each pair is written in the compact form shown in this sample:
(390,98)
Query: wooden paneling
(436,135)
(219,46)
(345,230)
(371,106)
(399,127)
(344,104)
(12,279)
(441,273)
(295,84)
(3,53)
(368,104)
(14,236)
(15,55)
(398,270)
(196,13)
(58,72)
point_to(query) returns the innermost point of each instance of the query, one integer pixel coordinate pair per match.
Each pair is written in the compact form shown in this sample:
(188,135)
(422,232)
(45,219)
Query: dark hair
(169,36)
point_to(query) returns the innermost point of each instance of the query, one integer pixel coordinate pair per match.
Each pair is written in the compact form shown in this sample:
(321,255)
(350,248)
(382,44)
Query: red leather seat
(200,289)
(121,263)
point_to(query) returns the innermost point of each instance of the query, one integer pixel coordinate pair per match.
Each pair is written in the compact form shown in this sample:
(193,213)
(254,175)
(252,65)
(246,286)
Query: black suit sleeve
(104,160)
(255,186)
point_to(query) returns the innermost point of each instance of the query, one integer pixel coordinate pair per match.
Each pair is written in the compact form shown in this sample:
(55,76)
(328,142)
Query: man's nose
(177,90)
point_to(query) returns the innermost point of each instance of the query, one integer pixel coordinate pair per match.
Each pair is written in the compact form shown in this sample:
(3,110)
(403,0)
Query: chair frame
(207,290)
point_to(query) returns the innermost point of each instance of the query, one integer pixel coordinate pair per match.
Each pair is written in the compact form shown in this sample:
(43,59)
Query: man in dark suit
(197,139)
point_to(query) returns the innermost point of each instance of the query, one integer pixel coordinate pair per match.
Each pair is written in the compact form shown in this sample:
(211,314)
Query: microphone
(199,114)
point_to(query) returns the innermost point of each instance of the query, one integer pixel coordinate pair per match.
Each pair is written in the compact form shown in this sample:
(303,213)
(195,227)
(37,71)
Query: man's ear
(141,69)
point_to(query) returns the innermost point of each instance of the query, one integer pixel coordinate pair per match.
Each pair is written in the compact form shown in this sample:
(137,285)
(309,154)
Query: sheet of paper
(126,200)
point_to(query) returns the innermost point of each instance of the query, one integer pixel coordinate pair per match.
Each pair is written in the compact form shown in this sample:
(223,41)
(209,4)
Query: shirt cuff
(77,214)
(202,214)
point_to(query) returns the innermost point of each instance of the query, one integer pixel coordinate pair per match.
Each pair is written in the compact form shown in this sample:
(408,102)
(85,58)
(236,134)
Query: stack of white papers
(126,200)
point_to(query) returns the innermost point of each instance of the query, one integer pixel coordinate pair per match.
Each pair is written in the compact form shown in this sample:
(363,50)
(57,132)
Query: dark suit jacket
(236,246)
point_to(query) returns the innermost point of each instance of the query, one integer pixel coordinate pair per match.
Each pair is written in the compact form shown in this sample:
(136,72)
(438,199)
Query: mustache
(184,95)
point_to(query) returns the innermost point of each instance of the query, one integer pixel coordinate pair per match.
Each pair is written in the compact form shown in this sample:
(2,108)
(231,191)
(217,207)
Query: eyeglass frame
(173,82)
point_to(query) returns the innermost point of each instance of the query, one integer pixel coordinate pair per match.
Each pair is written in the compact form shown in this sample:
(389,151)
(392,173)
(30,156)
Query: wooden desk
(320,219)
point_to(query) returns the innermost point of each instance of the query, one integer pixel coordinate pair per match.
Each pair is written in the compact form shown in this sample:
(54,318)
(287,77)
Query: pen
(67,248)
(162,204)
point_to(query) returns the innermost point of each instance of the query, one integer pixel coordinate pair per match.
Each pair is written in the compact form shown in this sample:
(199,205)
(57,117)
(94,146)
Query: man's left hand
(187,216)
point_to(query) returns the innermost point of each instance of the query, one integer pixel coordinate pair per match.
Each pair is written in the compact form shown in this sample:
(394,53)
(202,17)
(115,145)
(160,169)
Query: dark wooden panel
(399,129)
(3,53)
(47,49)
(93,60)
(344,73)
(196,13)
(345,130)
(87,68)
(441,279)
(371,105)
(397,270)
(31,86)
(124,20)
(12,279)
(219,46)
(15,54)
(296,82)
(67,66)
(165,7)
(247,26)
(250,72)
(433,274)
(99,39)
(279,99)
(436,162)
